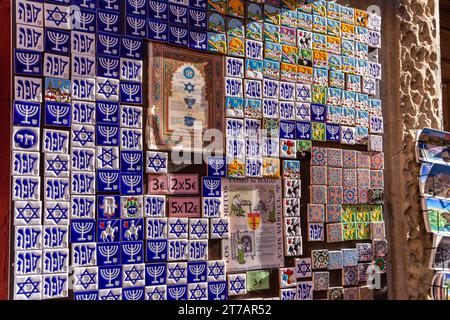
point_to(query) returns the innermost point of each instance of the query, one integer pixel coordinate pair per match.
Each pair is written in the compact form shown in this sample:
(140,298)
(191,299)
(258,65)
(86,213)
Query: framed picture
(256,232)
(185,97)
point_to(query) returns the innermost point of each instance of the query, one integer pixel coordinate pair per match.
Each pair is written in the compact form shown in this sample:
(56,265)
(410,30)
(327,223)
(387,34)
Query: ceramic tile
(321,280)
(350,257)
(377,230)
(316,232)
(316,213)
(292,227)
(350,276)
(286,277)
(319,175)
(363,178)
(293,246)
(319,156)
(305,290)
(303,268)
(351,293)
(335,177)
(376,179)
(319,259)
(335,260)
(335,195)
(237,284)
(288,294)
(334,232)
(336,293)
(334,213)
(380,248)
(349,177)
(291,207)
(318,194)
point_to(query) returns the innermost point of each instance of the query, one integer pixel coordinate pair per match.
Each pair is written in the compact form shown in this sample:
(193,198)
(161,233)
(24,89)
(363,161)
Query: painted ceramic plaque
(254,209)
(185,95)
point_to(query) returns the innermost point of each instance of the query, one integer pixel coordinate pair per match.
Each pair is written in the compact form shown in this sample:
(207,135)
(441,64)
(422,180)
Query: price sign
(158,184)
(184,207)
(183,184)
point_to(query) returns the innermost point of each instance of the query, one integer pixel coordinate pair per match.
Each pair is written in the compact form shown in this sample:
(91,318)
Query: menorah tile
(156,292)
(85,4)
(25,163)
(55,237)
(85,279)
(27,262)
(29,37)
(133,294)
(86,296)
(131,48)
(28,237)
(130,92)
(176,273)
(82,230)
(197,272)
(108,254)
(156,228)
(155,274)
(132,252)
(198,250)
(219,228)
(27,213)
(83,20)
(84,254)
(217,290)
(133,275)
(29,13)
(108,22)
(56,213)
(305,290)
(293,246)
(57,16)
(178,35)
(26,113)
(110,294)
(107,180)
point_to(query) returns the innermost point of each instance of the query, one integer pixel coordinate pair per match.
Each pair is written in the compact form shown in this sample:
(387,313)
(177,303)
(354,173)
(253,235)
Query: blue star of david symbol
(189,87)
(86,278)
(107,157)
(216,270)
(57,165)
(83,136)
(28,287)
(176,273)
(157,162)
(107,89)
(133,275)
(304,93)
(304,268)
(348,135)
(111,295)
(198,293)
(178,228)
(57,213)
(220,228)
(199,229)
(237,285)
(27,208)
(155,291)
(57,16)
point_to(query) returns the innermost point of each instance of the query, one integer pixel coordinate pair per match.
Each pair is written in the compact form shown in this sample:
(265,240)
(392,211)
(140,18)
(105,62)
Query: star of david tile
(159,294)
(177,228)
(57,165)
(189,87)
(107,89)
(85,279)
(27,217)
(28,287)
(304,93)
(216,270)
(83,136)
(199,229)
(157,163)
(133,275)
(57,16)
(220,228)
(197,293)
(107,157)
(176,273)
(111,296)
(57,213)
(304,268)
(237,285)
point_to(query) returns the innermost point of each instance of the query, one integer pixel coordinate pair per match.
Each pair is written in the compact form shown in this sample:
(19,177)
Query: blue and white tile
(211,207)
(83,66)
(131,117)
(217,290)
(29,13)
(83,43)
(108,21)
(133,294)
(82,159)
(83,89)
(237,284)
(108,44)
(211,186)
(25,138)
(26,113)
(83,112)
(156,292)
(57,114)
(108,254)
(28,89)
(107,88)
(135,26)
(130,69)
(25,163)
(28,237)
(131,184)
(156,250)
(57,16)
(82,230)
(107,135)
(198,250)
(56,213)
(29,37)
(155,274)
(83,183)
(198,291)
(83,20)
(219,228)
(216,270)
(108,230)
(27,213)
(107,157)
(130,92)
(56,66)
(197,271)
(55,237)
(55,260)
(177,250)
(27,262)
(132,252)
(82,207)
(198,229)
(110,294)
(133,275)
(28,287)
(176,273)
(107,181)
(26,188)
(84,254)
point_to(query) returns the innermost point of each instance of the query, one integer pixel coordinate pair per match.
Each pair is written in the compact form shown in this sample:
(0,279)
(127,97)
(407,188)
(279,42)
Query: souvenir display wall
(102,211)
(433,150)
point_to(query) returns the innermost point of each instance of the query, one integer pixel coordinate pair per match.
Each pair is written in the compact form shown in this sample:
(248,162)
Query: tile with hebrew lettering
(305,290)
(287,110)
(291,207)
(82,159)
(28,262)
(57,237)
(335,194)
(321,280)
(293,246)
(319,175)
(198,250)
(29,89)
(316,213)
(334,213)
(319,259)
(377,230)
(83,183)
(55,286)
(237,284)
(287,277)
(376,179)
(334,232)
(350,276)
(28,238)
(211,207)
(288,294)
(28,188)
(57,189)
(217,290)
(318,194)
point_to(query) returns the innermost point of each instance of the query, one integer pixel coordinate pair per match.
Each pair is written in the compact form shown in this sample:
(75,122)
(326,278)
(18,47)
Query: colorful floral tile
(363,178)
(316,213)
(334,213)
(376,179)
(365,252)
(363,271)
(350,276)
(335,158)
(319,156)
(362,214)
(335,260)
(318,175)
(363,195)
(349,158)
(318,194)
(321,280)
(377,160)
(334,232)
(335,194)
(349,214)
(380,262)
(380,247)
(303,268)
(304,146)
(363,160)
(377,230)
(349,179)
(336,293)
(350,196)
(376,213)
(334,177)
(349,232)
(351,293)
(318,131)
(350,257)
(319,259)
